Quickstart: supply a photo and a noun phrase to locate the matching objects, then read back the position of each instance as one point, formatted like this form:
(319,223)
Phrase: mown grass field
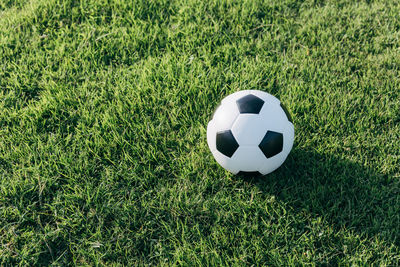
(103,113)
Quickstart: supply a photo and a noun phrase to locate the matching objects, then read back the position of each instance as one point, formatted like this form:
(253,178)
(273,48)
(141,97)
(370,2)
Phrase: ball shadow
(345,193)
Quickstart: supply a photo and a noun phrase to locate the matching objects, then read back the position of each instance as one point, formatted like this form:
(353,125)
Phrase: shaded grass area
(103,113)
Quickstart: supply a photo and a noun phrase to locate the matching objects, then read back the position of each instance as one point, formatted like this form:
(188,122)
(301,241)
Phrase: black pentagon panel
(286,112)
(249,174)
(271,144)
(250,104)
(226,143)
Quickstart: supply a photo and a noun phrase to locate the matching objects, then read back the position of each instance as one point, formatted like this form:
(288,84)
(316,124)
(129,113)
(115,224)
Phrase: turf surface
(103,114)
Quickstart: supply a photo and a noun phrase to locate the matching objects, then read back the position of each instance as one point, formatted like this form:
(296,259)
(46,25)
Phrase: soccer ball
(251,131)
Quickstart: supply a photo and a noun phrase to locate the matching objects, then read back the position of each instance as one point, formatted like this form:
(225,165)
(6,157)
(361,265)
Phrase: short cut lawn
(103,112)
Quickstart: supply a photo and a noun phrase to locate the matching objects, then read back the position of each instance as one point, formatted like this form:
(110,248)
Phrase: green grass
(103,114)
